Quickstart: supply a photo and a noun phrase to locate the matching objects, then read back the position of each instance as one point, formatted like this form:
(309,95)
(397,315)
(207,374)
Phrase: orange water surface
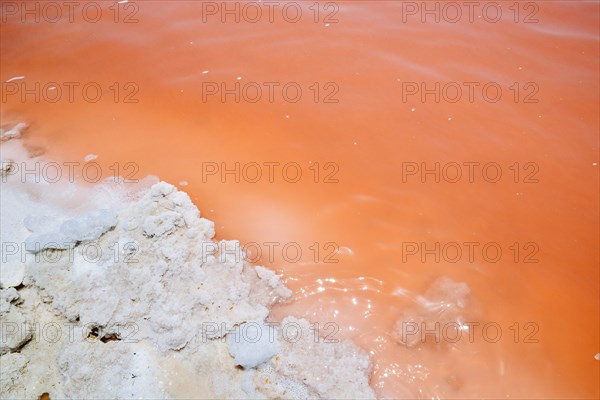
(362,127)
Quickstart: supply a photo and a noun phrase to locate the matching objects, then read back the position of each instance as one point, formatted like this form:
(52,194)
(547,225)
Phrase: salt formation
(109,297)
(439,310)
(88,226)
(250,349)
(13,133)
(304,368)
(12,319)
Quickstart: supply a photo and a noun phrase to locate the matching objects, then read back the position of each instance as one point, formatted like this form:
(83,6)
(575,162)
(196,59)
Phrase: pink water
(364,202)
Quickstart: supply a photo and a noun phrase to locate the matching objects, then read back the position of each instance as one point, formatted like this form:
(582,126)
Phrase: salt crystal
(87,226)
(252,343)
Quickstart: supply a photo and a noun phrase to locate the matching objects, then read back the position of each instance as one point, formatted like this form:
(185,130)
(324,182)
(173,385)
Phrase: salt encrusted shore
(113,293)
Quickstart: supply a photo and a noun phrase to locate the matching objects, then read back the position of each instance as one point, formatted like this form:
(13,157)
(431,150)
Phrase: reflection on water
(367,140)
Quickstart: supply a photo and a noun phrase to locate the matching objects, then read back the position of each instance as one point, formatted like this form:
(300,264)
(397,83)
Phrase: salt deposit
(12,320)
(14,132)
(443,304)
(116,292)
(49,234)
(252,343)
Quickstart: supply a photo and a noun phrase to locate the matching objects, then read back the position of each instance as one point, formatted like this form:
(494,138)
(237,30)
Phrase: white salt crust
(119,293)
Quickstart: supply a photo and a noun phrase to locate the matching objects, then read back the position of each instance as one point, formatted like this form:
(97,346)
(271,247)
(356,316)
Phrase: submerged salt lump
(308,366)
(252,343)
(14,132)
(443,304)
(87,226)
(445,293)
